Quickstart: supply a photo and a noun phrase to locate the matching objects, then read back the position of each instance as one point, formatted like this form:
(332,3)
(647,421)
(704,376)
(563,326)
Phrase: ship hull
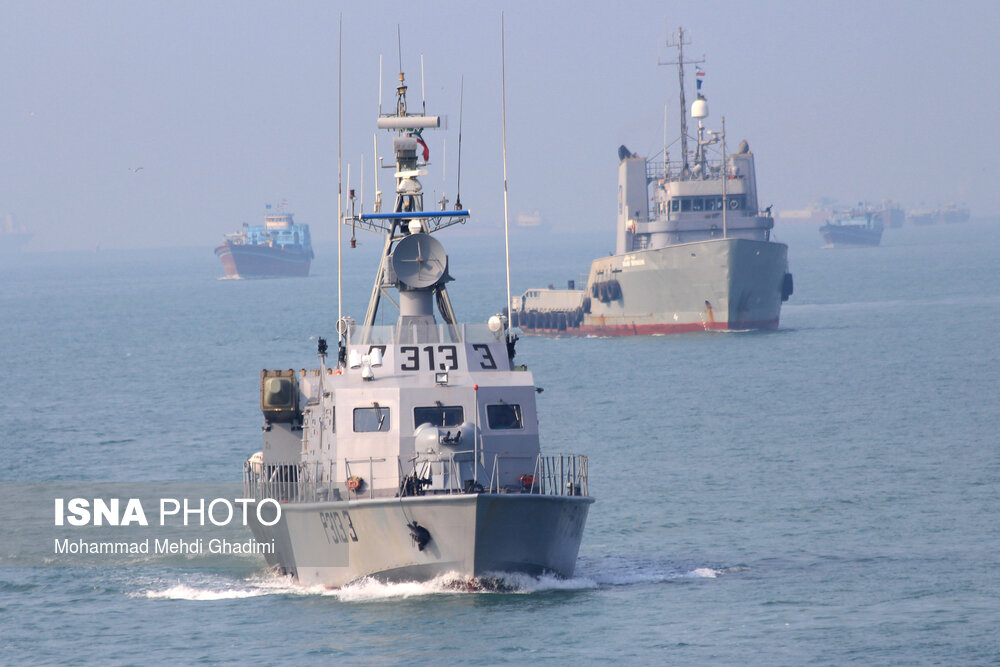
(470,535)
(713,285)
(851,235)
(261,261)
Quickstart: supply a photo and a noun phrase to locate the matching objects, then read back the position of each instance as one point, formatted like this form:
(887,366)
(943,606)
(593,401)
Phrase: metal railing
(440,474)
(673,171)
(292,482)
(388,334)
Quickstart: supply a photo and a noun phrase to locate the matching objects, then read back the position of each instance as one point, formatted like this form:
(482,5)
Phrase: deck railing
(442,474)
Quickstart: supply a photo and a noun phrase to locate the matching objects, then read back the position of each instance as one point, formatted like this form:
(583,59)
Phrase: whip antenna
(340,184)
(458,190)
(503,114)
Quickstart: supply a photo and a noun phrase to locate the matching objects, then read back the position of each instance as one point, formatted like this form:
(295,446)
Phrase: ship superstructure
(693,248)
(416,453)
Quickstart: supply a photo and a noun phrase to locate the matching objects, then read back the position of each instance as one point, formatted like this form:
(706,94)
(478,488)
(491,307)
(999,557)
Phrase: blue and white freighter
(415,453)
(279,247)
(694,250)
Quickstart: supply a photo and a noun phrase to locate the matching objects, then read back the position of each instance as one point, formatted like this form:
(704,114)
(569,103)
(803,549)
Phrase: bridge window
(504,416)
(369,420)
(439,415)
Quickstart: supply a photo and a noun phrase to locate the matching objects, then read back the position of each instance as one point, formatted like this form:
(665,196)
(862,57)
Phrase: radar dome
(699,108)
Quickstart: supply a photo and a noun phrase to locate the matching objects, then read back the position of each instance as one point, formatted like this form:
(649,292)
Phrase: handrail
(442,473)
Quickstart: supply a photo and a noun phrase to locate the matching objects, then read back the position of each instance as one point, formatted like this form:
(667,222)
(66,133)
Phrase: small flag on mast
(420,140)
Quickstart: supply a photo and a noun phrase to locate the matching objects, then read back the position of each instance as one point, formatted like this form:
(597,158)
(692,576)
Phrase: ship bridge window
(504,416)
(439,415)
(685,204)
(369,420)
(697,204)
(675,204)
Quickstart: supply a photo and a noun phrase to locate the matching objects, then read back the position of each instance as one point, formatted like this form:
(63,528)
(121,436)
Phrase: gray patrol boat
(416,453)
(700,258)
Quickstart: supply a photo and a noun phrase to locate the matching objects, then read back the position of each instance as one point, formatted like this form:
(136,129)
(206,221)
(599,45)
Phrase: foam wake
(367,589)
(607,572)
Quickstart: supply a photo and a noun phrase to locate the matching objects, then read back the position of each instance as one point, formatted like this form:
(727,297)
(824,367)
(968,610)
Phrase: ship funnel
(699,108)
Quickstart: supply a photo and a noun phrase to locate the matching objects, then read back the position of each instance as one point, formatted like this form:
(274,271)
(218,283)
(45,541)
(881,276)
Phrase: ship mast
(680,62)
(408,218)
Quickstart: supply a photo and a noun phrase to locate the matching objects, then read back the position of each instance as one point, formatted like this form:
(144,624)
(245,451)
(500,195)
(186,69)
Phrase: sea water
(823,494)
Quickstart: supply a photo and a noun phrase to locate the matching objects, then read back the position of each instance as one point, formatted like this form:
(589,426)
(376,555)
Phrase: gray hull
(851,235)
(718,284)
(472,535)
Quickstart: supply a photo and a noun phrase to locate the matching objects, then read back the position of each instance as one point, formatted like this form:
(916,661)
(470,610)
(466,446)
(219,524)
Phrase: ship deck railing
(384,223)
(543,474)
(389,334)
(674,171)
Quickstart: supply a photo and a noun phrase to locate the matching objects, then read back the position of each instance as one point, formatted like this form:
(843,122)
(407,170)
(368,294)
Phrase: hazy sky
(228,106)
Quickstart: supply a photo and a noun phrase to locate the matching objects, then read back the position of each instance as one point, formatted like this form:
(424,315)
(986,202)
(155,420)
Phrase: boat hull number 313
(443,357)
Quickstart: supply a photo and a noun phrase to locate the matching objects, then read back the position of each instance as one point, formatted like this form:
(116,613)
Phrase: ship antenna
(665,165)
(379,90)
(377,206)
(503,115)
(725,180)
(444,172)
(340,188)
(399,47)
(423,97)
(461,100)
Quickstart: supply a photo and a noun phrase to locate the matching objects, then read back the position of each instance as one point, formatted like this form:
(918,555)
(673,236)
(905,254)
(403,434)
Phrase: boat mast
(725,181)
(680,62)
(408,216)
(506,224)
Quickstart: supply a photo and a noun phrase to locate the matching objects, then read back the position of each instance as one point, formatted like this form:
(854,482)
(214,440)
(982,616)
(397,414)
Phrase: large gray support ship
(416,454)
(699,258)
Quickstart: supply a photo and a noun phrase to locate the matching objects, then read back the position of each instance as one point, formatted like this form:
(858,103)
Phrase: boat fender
(787,287)
(586,305)
(355,483)
(595,291)
(420,535)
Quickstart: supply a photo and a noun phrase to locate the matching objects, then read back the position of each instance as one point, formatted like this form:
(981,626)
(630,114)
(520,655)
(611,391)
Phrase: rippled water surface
(823,494)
